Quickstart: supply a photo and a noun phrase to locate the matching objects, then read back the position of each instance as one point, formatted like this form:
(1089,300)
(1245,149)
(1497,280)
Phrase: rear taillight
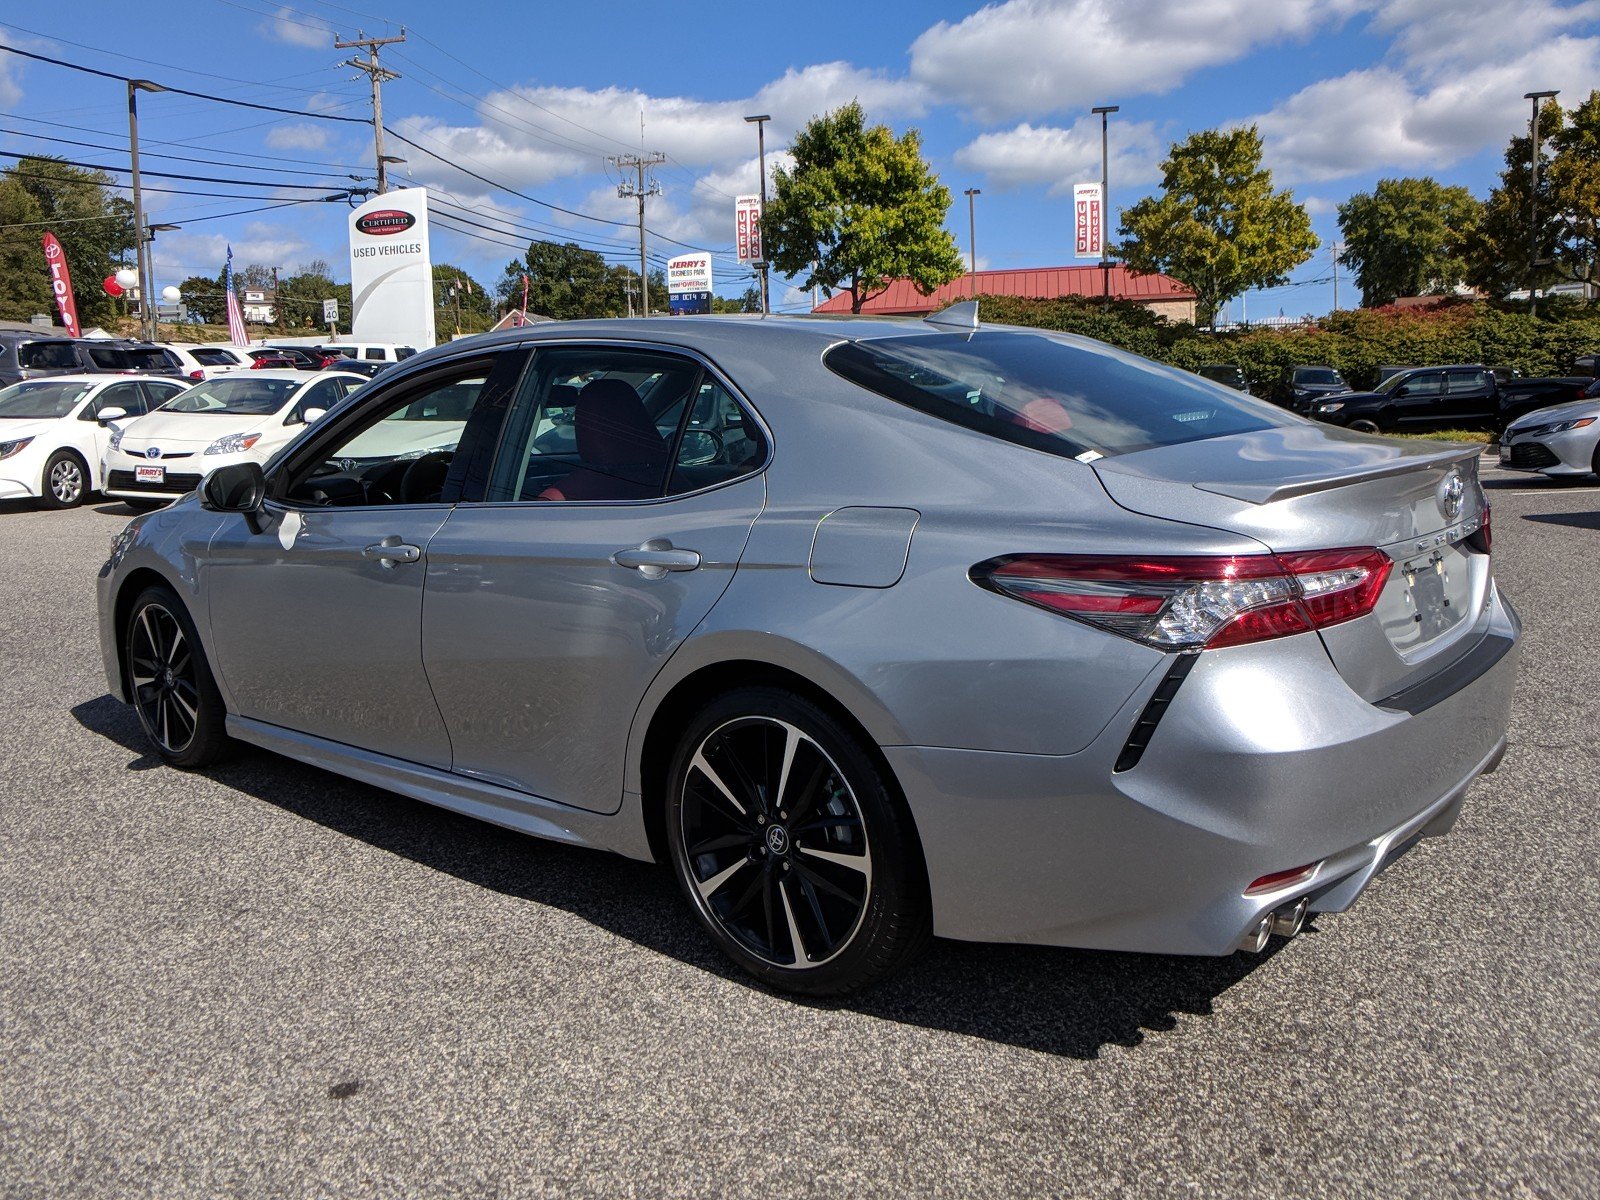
(197,375)
(1196,601)
(1482,539)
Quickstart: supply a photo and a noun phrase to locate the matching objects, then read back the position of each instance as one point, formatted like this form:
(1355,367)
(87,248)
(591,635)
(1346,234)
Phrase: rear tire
(170,682)
(1364,426)
(65,482)
(791,846)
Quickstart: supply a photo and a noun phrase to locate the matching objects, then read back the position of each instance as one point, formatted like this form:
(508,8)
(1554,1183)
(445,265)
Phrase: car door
(1470,398)
(608,531)
(130,398)
(1419,401)
(316,603)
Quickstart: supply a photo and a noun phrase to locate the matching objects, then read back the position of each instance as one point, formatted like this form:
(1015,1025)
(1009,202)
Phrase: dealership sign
(391,273)
(747,228)
(1088,220)
(689,283)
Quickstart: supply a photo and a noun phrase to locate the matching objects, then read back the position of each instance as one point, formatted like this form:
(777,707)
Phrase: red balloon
(112,287)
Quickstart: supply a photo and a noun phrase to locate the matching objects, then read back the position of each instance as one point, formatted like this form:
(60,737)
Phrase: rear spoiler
(1267,492)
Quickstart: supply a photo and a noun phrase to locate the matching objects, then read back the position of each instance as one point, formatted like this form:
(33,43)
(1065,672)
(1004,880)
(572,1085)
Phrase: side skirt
(622,832)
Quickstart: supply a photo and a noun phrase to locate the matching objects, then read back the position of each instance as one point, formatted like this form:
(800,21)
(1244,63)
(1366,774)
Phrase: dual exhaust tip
(1284,922)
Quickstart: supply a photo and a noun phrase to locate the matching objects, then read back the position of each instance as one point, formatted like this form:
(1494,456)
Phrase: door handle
(390,551)
(656,557)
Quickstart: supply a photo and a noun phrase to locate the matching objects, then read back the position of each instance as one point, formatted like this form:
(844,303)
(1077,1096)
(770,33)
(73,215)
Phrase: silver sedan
(1563,439)
(872,631)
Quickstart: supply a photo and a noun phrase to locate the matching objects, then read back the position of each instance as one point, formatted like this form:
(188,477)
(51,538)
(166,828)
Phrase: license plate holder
(150,474)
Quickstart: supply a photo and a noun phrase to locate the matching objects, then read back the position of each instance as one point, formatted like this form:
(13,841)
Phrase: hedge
(1357,342)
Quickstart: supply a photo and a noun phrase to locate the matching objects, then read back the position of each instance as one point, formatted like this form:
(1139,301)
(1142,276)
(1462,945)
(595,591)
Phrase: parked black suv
(30,355)
(1305,385)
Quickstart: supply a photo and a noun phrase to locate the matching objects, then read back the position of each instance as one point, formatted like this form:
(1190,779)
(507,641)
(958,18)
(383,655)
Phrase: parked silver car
(1563,439)
(871,630)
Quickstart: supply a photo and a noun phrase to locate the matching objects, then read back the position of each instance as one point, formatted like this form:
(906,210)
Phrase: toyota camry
(873,631)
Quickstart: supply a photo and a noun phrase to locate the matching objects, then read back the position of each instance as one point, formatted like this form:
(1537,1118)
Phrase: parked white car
(370,351)
(54,431)
(210,359)
(237,417)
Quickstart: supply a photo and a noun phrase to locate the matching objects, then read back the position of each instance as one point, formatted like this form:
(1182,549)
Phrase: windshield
(1072,397)
(235,397)
(41,398)
(1394,381)
(1317,375)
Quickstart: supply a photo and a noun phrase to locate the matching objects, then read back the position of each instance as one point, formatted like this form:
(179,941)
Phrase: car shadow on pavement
(1065,1002)
(1577,520)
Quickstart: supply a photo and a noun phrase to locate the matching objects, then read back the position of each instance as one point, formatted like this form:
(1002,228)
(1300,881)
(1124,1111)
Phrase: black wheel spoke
(162,668)
(774,842)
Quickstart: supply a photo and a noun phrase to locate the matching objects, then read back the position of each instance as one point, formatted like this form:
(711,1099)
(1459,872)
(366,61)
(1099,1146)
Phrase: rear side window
(47,356)
(213,358)
(1066,396)
(108,358)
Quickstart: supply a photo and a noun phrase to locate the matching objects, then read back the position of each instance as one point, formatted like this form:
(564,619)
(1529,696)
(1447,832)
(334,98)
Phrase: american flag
(237,333)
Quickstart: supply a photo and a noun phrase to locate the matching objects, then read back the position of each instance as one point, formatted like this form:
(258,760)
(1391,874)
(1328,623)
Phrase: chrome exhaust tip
(1291,918)
(1255,940)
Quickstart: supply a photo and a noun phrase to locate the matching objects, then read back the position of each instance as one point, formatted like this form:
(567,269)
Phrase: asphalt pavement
(264,980)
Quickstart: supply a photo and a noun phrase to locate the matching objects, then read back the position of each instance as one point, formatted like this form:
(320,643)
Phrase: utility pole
(142,257)
(1337,250)
(972,238)
(760,122)
(1533,197)
(1105,112)
(639,191)
(379,75)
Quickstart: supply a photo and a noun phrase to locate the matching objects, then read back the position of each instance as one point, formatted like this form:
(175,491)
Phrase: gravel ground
(265,980)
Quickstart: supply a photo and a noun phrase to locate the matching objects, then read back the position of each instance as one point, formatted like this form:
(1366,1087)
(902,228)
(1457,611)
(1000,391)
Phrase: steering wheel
(424,479)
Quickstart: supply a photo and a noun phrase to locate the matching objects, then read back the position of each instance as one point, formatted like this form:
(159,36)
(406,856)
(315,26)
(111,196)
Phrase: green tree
(300,296)
(1406,238)
(1575,193)
(747,301)
(460,303)
(1506,253)
(859,209)
(93,224)
(565,281)
(203,298)
(1217,226)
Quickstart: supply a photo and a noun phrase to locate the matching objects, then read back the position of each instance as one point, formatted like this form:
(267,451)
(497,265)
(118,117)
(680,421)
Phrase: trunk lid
(1318,487)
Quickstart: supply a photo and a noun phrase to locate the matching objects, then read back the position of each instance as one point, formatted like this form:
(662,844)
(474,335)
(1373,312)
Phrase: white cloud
(298,29)
(10,89)
(1056,157)
(1430,35)
(1383,118)
(1025,58)
(302,136)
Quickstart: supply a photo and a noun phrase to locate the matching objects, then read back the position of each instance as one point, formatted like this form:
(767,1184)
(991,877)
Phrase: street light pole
(1105,112)
(146,313)
(760,122)
(1533,196)
(147,283)
(972,238)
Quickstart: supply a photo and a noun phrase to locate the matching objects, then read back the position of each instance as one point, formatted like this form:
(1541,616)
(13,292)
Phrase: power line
(41,137)
(299,187)
(272,108)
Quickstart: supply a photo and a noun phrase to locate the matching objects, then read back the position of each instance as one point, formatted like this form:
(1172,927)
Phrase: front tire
(792,848)
(1365,426)
(170,682)
(65,482)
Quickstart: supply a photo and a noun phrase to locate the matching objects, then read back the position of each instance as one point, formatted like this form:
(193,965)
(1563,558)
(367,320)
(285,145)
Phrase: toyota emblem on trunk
(1451,492)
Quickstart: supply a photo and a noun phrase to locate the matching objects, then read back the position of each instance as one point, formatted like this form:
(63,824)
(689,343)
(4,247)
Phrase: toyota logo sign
(385,221)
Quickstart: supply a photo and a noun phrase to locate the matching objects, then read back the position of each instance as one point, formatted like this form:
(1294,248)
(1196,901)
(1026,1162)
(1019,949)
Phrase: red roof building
(1162,293)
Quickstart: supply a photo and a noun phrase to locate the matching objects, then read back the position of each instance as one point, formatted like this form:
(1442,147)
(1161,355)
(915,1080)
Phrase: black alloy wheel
(794,854)
(1362,425)
(170,683)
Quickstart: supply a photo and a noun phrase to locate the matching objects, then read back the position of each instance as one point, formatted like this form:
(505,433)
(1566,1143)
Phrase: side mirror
(108,415)
(313,415)
(238,487)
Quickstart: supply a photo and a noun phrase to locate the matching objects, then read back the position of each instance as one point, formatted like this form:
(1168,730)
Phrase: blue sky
(534,97)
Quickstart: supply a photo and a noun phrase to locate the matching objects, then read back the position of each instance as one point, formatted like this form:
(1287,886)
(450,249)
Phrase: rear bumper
(1264,761)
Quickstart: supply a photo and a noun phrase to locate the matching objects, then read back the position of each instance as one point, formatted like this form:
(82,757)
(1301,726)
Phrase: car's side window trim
(337,427)
(708,371)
